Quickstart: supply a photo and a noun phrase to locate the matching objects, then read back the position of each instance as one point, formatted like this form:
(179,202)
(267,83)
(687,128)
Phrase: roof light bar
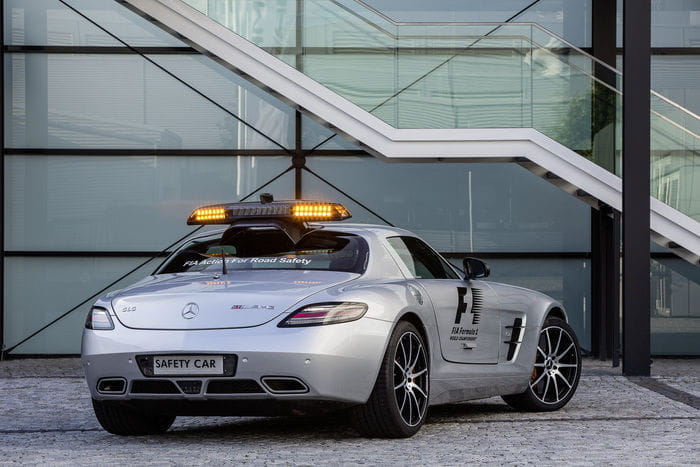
(301,211)
(211,213)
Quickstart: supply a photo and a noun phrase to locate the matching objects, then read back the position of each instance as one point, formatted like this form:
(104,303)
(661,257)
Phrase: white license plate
(188,365)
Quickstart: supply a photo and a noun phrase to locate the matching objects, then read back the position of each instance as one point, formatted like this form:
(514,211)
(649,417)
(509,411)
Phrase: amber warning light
(204,215)
(301,210)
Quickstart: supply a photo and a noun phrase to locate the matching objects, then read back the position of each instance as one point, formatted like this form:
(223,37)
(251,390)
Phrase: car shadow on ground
(466,411)
(332,426)
(335,425)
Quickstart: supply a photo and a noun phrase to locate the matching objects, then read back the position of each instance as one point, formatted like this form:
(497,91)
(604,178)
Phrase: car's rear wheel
(399,401)
(120,420)
(556,372)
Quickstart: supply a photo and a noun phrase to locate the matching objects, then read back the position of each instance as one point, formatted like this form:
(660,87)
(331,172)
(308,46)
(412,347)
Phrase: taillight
(320,314)
(99,319)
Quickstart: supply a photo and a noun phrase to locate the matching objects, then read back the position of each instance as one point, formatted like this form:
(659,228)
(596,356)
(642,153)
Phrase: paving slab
(611,419)
(41,367)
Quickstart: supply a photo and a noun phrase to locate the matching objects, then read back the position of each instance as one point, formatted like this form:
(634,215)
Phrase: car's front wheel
(556,372)
(399,401)
(120,420)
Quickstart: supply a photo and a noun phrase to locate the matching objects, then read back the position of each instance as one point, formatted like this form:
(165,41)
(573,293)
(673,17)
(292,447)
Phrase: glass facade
(149,108)
(40,289)
(569,20)
(450,75)
(49,22)
(676,77)
(119,203)
(675,40)
(107,150)
(459,207)
(675,314)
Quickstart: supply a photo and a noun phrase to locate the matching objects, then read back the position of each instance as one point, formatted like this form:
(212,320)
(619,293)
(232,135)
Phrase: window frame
(360,267)
(444,264)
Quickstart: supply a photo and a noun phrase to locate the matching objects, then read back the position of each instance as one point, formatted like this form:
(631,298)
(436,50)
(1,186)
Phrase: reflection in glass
(675,315)
(123,101)
(67,281)
(135,203)
(457,207)
(50,22)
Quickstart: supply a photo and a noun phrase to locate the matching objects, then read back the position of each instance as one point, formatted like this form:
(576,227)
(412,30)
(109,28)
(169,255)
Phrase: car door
(468,319)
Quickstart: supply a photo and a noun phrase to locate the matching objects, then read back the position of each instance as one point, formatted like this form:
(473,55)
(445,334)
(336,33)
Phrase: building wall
(107,151)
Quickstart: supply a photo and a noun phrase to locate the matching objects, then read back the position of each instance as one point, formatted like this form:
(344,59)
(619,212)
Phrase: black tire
(384,415)
(120,420)
(557,365)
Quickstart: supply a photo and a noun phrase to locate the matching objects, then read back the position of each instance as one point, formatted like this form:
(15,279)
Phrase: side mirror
(475,269)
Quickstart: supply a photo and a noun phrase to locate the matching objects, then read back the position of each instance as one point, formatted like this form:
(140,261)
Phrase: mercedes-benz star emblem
(190,311)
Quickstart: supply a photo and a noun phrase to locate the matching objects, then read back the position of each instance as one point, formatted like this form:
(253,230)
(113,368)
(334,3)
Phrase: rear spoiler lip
(294,229)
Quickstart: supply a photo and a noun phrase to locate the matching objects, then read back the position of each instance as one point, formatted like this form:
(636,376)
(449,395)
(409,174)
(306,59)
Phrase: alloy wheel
(411,378)
(556,366)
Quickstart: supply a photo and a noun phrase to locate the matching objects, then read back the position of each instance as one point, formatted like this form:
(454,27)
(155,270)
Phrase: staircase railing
(470,75)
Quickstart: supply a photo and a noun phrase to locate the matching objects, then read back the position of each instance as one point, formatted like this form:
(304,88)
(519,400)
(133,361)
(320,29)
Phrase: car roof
(382,230)
(358,229)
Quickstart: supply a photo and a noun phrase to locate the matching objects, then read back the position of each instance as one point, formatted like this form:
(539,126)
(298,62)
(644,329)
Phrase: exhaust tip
(284,385)
(111,386)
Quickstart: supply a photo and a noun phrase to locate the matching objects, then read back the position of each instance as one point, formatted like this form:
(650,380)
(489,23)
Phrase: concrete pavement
(46,417)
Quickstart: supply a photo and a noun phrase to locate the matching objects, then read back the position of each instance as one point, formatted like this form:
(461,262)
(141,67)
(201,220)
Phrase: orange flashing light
(300,211)
(316,211)
(210,214)
(319,211)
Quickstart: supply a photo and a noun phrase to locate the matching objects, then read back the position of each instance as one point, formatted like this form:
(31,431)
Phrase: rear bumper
(336,363)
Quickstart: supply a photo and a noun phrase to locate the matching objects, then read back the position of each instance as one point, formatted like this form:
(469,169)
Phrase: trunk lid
(190,301)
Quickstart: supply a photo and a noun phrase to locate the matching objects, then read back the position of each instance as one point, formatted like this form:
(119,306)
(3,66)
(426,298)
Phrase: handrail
(496,25)
(541,47)
(677,125)
(473,23)
(675,104)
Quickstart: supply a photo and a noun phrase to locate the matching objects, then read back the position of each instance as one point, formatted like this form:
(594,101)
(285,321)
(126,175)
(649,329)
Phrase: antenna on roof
(223,262)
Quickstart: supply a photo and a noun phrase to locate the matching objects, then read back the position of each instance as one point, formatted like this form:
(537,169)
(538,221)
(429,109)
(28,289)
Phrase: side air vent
(516,331)
(153,386)
(284,385)
(477,305)
(234,386)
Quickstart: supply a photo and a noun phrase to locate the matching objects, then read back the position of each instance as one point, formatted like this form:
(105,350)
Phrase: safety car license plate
(180,365)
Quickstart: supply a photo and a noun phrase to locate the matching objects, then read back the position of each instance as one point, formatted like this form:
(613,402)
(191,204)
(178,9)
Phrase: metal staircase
(427,111)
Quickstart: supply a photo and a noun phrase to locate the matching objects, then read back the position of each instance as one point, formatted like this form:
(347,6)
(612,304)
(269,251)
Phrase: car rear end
(249,320)
(265,363)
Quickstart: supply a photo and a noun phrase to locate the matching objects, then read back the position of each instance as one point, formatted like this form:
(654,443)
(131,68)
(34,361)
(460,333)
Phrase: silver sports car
(286,310)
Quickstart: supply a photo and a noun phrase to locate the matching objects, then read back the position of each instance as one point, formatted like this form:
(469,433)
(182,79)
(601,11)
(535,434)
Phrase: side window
(420,259)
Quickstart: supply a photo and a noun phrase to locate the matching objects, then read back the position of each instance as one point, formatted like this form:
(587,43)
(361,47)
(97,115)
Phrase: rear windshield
(271,249)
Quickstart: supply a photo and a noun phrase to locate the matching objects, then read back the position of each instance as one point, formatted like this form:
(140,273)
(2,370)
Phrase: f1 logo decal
(461,303)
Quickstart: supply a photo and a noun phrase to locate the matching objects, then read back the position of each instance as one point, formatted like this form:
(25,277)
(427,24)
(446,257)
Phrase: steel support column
(604,34)
(605,284)
(605,239)
(298,160)
(2,180)
(635,188)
